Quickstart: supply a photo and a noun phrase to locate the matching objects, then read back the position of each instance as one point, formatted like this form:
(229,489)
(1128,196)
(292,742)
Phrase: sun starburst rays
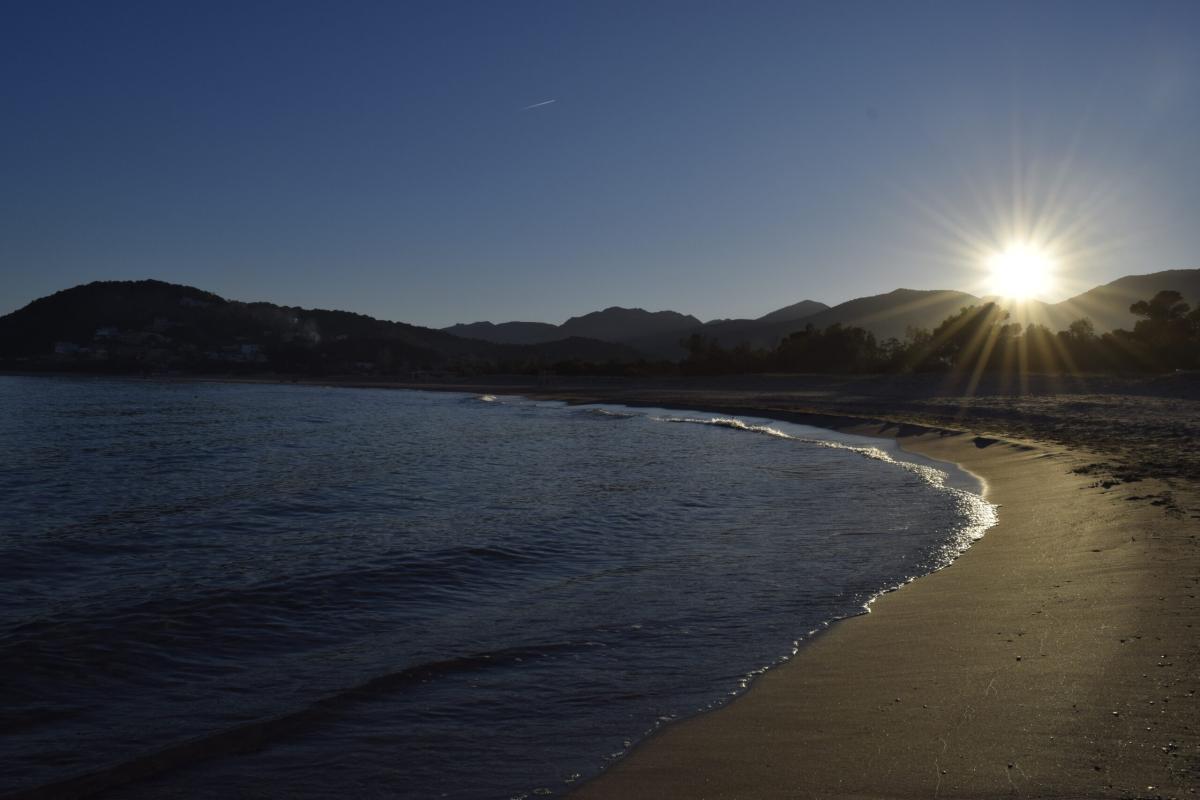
(1048,223)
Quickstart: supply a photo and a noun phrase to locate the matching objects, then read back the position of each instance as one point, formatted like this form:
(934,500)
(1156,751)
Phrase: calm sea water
(222,591)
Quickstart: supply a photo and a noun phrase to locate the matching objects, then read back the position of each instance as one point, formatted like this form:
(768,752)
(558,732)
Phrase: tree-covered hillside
(152,325)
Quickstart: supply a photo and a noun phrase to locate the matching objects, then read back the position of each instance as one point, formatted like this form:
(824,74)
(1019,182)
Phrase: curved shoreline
(1097,594)
(1056,658)
(1021,668)
(1053,658)
(257,733)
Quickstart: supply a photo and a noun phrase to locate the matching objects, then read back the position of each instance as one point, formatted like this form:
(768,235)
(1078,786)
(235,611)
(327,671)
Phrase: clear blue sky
(720,159)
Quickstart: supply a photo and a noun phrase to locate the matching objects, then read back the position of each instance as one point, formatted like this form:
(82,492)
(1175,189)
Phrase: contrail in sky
(543,103)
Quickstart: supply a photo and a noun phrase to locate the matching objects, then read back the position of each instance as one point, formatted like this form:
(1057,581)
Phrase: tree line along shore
(153,327)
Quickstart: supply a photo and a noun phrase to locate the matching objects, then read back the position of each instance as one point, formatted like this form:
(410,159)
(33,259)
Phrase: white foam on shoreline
(977,513)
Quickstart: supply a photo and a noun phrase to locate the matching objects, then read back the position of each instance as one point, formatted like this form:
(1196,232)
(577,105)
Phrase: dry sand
(1056,658)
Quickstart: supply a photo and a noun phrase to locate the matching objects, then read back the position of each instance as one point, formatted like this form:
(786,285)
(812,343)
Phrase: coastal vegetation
(977,338)
(155,327)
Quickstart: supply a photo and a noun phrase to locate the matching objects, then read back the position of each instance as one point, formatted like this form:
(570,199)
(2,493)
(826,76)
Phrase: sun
(1021,271)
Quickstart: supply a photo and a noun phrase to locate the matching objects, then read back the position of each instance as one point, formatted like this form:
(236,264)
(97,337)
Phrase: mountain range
(156,325)
(162,325)
(889,315)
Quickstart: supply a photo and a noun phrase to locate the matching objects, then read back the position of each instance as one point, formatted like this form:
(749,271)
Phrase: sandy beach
(1057,658)
(619,287)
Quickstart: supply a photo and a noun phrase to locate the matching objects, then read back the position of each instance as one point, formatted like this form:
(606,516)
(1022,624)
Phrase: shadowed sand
(1052,659)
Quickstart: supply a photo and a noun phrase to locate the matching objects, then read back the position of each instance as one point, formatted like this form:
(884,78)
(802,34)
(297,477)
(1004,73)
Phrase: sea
(217,590)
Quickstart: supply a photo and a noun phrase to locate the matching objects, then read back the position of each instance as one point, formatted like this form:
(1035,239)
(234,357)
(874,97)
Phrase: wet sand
(1056,658)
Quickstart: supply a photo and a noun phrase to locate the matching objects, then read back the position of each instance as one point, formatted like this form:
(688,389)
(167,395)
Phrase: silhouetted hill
(805,308)
(654,333)
(507,332)
(890,315)
(152,325)
(727,332)
(616,324)
(1108,305)
(885,315)
(764,331)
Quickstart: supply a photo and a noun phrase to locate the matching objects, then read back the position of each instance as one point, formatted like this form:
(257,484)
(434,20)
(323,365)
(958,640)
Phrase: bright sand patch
(1056,658)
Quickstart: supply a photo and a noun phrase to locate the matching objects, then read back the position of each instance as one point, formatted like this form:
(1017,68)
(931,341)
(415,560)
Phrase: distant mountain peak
(805,308)
(192,324)
(507,332)
(620,324)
